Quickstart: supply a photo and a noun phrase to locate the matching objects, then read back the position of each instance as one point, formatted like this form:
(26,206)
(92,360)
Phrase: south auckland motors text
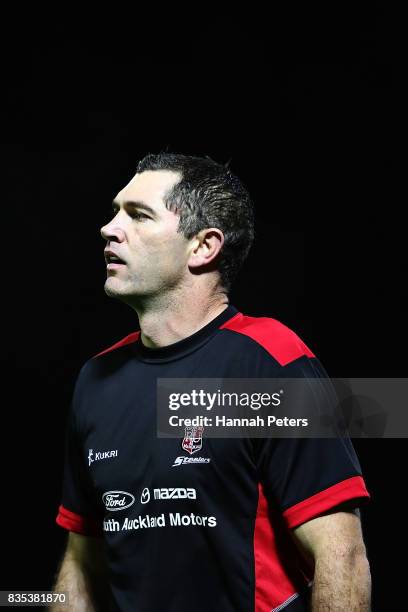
(172,519)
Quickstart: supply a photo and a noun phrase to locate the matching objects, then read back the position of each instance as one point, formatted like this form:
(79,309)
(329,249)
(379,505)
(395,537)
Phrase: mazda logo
(145,497)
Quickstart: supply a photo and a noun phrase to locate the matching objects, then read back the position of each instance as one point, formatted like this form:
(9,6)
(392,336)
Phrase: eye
(138,215)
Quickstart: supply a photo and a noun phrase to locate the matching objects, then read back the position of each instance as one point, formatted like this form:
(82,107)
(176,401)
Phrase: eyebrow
(135,204)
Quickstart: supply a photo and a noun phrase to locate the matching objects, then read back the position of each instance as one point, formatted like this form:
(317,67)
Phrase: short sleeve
(78,510)
(305,477)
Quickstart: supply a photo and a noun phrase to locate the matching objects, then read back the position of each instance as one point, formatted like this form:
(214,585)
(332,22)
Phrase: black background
(305,105)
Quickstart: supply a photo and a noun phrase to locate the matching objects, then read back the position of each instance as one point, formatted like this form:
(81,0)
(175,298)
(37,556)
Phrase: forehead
(150,186)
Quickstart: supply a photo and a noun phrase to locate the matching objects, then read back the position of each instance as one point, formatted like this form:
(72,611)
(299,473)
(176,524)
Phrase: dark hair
(209,195)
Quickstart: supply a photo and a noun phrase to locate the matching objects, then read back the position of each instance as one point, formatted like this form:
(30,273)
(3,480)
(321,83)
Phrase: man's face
(154,256)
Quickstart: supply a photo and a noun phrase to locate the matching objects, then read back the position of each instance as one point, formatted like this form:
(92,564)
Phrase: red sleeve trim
(77,523)
(324,500)
(127,340)
(279,340)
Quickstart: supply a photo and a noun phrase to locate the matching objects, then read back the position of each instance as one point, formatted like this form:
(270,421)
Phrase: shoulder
(129,339)
(98,368)
(275,337)
(105,361)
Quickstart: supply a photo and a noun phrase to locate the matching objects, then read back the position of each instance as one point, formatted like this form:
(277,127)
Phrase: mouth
(113,261)
(114,266)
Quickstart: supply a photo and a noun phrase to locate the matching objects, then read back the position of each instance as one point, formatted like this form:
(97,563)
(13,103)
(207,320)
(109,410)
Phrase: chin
(119,291)
(111,290)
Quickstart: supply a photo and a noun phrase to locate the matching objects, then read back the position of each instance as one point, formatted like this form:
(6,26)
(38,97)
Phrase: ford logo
(117,500)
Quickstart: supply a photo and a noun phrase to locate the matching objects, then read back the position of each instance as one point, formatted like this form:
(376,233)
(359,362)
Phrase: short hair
(209,195)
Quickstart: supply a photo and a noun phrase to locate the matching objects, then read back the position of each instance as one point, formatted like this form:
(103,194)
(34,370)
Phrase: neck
(166,321)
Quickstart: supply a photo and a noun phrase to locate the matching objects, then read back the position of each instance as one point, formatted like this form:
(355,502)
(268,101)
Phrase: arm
(83,575)
(342,579)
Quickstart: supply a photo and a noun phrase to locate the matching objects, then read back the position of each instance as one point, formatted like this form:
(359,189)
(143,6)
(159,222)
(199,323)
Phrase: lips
(111,257)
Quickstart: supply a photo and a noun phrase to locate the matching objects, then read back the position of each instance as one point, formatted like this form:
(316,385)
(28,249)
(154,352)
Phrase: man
(227,525)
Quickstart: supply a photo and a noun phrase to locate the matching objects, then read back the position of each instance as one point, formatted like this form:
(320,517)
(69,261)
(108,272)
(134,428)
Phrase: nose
(112,231)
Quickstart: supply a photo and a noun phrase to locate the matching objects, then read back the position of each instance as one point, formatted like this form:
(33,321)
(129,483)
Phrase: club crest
(193,439)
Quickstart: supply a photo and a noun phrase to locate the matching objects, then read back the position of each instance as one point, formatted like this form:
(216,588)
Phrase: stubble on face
(154,252)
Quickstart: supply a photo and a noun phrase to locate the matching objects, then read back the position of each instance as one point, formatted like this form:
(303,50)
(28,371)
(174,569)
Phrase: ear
(205,247)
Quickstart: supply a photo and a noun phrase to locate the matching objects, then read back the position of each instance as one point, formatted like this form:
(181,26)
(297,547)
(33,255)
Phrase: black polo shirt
(204,526)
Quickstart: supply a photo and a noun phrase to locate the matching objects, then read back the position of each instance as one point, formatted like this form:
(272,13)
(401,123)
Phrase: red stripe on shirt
(311,507)
(280,572)
(281,342)
(127,340)
(77,523)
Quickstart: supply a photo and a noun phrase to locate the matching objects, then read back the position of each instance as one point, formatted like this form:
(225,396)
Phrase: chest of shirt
(129,465)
